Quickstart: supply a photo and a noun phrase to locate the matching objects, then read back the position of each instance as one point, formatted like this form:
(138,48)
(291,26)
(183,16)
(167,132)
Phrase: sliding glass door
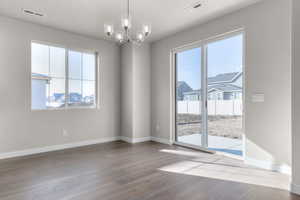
(209,95)
(225,94)
(189,117)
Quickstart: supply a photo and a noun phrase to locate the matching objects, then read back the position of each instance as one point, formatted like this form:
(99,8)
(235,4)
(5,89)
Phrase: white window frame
(67,49)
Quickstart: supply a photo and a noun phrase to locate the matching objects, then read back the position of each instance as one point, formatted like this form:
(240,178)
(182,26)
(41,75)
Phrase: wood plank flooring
(146,171)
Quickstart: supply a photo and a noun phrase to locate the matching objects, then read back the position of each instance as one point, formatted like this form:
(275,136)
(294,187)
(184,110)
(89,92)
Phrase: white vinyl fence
(215,107)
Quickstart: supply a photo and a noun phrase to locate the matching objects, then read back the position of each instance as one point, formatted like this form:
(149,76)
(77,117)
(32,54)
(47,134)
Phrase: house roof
(224,78)
(182,83)
(224,88)
(221,82)
(220,87)
(40,76)
(183,86)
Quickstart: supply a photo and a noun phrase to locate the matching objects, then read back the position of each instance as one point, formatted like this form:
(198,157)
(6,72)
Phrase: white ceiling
(87,17)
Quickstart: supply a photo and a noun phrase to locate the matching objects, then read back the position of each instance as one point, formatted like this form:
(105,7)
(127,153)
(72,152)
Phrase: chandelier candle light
(125,36)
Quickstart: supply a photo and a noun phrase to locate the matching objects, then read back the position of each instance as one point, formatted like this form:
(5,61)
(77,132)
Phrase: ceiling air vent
(33,13)
(194,6)
(197,5)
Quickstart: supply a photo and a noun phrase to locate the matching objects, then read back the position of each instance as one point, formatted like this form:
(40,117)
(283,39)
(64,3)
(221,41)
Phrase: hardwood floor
(146,171)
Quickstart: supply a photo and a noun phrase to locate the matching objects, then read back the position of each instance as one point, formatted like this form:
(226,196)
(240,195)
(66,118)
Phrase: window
(62,78)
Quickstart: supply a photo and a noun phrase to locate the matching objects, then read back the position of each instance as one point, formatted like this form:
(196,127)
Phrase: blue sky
(224,56)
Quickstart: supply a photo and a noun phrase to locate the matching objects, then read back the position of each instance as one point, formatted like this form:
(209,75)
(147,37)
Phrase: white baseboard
(126,139)
(33,151)
(56,147)
(294,188)
(145,139)
(162,140)
(135,140)
(268,165)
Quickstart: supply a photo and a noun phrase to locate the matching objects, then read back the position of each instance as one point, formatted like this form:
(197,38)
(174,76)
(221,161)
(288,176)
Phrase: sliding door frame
(174,99)
(173,60)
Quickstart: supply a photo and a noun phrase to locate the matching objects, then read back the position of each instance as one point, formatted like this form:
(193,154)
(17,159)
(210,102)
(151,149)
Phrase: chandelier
(126,35)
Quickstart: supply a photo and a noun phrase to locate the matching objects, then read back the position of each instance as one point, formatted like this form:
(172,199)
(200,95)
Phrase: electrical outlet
(65,133)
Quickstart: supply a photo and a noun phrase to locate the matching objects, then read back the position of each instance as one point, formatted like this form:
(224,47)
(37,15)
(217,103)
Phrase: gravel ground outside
(224,126)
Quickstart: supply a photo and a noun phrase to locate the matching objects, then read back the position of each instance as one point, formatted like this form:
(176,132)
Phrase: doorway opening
(209,94)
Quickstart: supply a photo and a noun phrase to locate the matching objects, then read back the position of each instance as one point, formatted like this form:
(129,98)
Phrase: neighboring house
(75,97)
(59,97)
(182,87)
(89,99)
(194,95)
(39,89)
(226,86)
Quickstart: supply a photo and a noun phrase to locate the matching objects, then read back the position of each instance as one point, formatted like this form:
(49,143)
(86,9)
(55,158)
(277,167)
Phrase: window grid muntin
(66,86)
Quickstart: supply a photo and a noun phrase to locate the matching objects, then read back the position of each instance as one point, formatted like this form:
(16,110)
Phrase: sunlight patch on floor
(224,168)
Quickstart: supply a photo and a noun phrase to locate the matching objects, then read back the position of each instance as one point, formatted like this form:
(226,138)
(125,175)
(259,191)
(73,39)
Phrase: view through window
(209,113)
(62,78)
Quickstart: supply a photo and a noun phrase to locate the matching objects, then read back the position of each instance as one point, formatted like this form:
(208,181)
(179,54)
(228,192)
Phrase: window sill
(96,107)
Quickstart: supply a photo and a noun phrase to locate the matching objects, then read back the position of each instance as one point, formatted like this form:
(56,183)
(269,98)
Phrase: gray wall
(127,91)
(21,128)
(136,85)
(296,97)
(268,71)
(142,90)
